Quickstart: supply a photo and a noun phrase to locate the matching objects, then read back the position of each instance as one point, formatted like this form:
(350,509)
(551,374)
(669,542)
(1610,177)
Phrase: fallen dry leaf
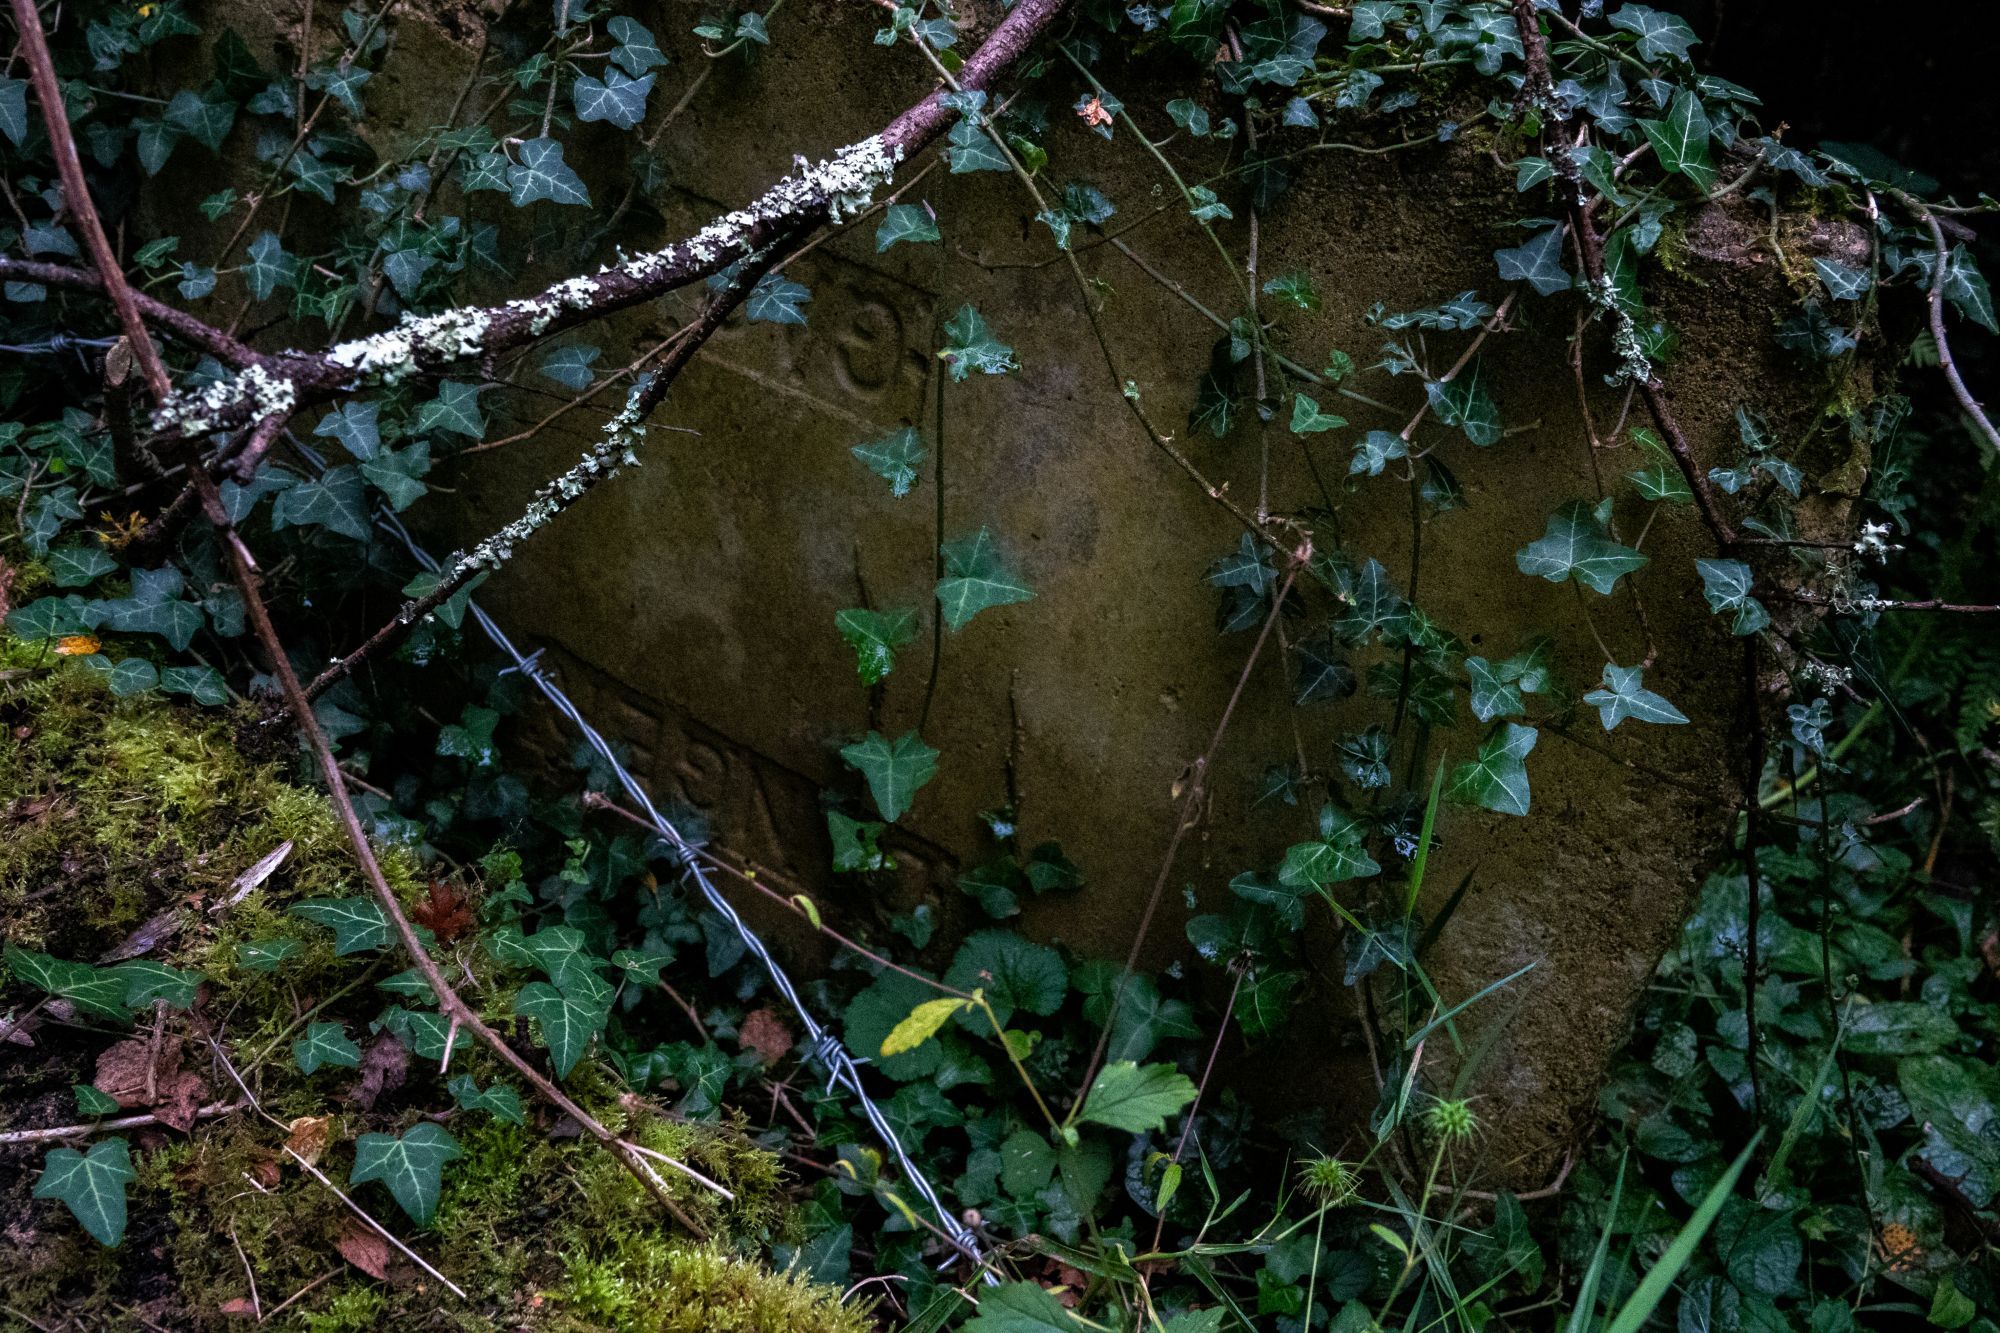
(178,1098)
(384,1065)
(238,1307)
(132,1073)
(77,645)
(445,912)
(764,1033)
(364,1249)
(309,1136)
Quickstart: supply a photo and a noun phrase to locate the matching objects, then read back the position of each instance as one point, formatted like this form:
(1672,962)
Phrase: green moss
(698,1289)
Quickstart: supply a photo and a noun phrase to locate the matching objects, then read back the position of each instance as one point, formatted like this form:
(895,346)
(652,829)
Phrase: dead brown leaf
(132,1072)
(384,1066)
(364,1249)
(445,911)
(766,1034)
(309,1136)
(239,1307)
(178,1098)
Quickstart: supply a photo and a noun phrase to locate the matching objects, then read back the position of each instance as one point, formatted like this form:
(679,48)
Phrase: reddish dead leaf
(239,1307)
(764,1033)
(364,1249)
(445,911)
(132,1073)
(1093,113)
(178,1098)
(384,1065)
(265,1172)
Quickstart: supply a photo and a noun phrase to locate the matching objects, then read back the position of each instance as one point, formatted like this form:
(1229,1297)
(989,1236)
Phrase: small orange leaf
(1093,113)
(77,645)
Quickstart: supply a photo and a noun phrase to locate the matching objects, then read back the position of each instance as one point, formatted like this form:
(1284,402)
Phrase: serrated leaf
(1137,1098)
(896,458)
(894,770)
(970,346)
(567,1023)
(499,1100)
(976,577)
(1014,973)
(905,222)
(1537,262)
(410,1165)
(1726,585)
(325,1044)
(358,924)
(1498,778)
(542,174)
(1576,544)
(1623,695)
(91,1185)
(875,636)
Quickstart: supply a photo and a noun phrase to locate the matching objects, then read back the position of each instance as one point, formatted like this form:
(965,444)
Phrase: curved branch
(196,333)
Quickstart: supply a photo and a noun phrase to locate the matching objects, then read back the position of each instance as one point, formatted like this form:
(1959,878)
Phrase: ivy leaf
(563,954)
(1726,584)
(325,1044)
(92,1186)
(637,51)
(972,149)
(1323,673)
(455,411)
(777,300)
(91,1102)
(1294,288)
(1207,206)
(1373,451)
(203,684)
(266,955)
(976,577)
(1308,419)
(856,844)
(1465,403)
(570,365)
(146,981)
(875,636)
(895,458)
(1537,262)
(617,98)
(90,989)
(357,923)
(1577,544)
(1492,694)
(567,1023)
(1373,606)
(1624,696)
(356,425)
(894,770)
(499,1101)
(1660,479)
(75,566)
(1681,140)
(970,345)
(1843,283)
(641,967)
(412,1166)
(1965,287)
(1015,973)
(1245,568)
(1661,36)
(905,222)
(267,267)
(14,109)
(1498,779)
(395,473)
(337,501)
(1137,1098)
(542,174)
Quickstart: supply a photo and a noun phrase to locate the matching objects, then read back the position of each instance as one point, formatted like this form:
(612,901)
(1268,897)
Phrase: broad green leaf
(1295,288)
(92,1185)
(455,410)
(1020,1307)
(1373,606)
(1660,479)
(357,923)
(570,365)
(91,1102)
(267,266)
(1015,974)
(894,769)
(875,636)
(1498,779)
(972,149)
(1308,419)
(1623,696)
(1137,1098)
(1965,287)
(777,300)
(1319,864)
(337,501)
(922,1024)
(1493,695)
(1373,451)
(1323,673)
(542,174)
(896,458)
(1465,403)
(356,425)
(1245,567)
(424,1031)
(641,966)
(75,566)
(617,99)
(147,981)
(1537,262)
(1577,544)
(563,954)
(1726,585)
(1843,283)
(1661,36)
(976,577)
(1681,140)
(637,51)
(93,990)
(857,844)
(905,222)
(410,1165)
(266,955)
(499,1101)
(567,1024)
(325,1044)
(14,121)
(970,346)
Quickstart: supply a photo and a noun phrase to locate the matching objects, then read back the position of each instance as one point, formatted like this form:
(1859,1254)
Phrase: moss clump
(698,1289)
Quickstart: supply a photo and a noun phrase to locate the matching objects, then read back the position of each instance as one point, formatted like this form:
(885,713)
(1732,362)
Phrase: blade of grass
(1423,845)
(1653,1287)
(1462,1006)
(1586,1293)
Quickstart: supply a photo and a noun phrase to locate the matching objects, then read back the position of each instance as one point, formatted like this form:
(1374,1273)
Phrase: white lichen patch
(197,411)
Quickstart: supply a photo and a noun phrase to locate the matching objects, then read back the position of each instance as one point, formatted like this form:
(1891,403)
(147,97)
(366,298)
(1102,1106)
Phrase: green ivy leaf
(1965,287)
(358,924)
(641,967)
(93,990)
(1498,779)
(567,1023)
(1308,419)
(970,346)
(76,566)
(637,51)
(147,981)
(455,411)
(1681,140)
(411,1166)
(1577,544)
(1660,479)
(972,149)
(563,954)
(976,577)
(337,501)
(570,365)
(1842,282)
(1295,289)
(1661,36)
(777,300)
(1726,585)
(1537,262)
(1373,606)
(1465,403)
(325,1044)
(92,1185)
(856,845)
(1322,674)
(542,174)
(617,99)
(896,458)
(1373,451)
(91,1102)
(266,955)
(14,109)
(357,426)
(267,267)
(875,636)
(499,1101)
(905,222)
(1624,696)
(1137,1098)
(894,769)
(1492,694)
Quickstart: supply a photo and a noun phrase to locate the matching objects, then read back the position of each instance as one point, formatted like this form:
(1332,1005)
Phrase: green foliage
(1136,1098)
(409,1165)
(91,1185)
(894,770)
(976,577)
